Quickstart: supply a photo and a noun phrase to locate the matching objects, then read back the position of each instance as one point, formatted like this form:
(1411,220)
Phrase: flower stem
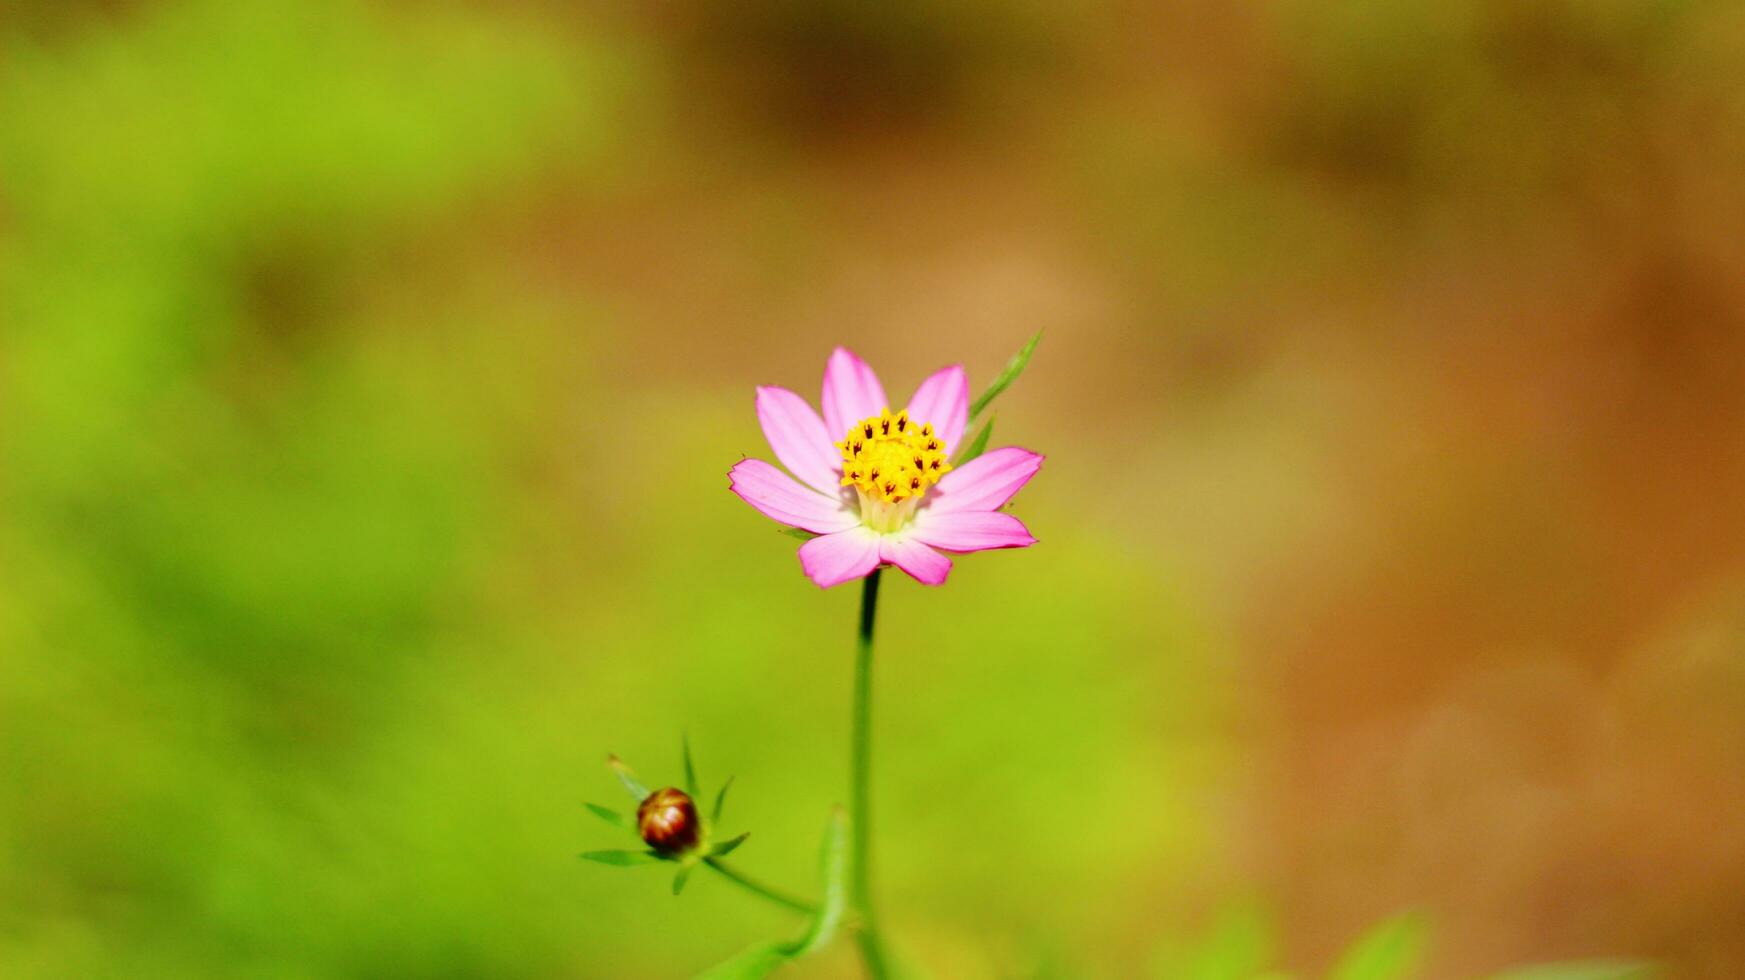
(872,951)
(758,888)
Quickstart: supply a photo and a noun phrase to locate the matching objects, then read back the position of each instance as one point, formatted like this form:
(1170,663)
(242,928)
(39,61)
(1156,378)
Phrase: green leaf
(795,532)
(1014,367)
(622,859)
(637,791)
(720,799)
(690,770)
(1583,970)
(833,875)
(728,847)
(612,817)
(683,876)
(763,959)
(1389,951)
(977,445)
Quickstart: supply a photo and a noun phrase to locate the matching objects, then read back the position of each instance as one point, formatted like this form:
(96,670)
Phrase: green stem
(872,951)
(758,888)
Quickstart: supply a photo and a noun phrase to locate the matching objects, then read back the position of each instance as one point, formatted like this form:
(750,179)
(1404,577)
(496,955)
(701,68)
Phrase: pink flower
(878,488)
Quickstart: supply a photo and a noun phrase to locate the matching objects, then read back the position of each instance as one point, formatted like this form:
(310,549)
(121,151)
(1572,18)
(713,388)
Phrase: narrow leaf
(977,445)
(833,872)
(1583,970)
(763,959)
(637,791)
(1389,951)
(795,532)
(690,770)
(728,847)
(1014,367)
(720,799)
(611,816)
(683,876)
(622,859)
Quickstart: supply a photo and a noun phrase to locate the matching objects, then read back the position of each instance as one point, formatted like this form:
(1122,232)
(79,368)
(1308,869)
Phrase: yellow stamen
(891,461)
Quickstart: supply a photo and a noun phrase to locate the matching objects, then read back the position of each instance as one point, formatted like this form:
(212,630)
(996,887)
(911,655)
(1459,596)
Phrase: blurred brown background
(1415,332)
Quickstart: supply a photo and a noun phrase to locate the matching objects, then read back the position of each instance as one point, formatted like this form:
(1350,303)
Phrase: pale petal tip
(840,353)
(823,581)
(928,579)
(762,392)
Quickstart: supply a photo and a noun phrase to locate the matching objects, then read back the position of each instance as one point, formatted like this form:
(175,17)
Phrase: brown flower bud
(668,821)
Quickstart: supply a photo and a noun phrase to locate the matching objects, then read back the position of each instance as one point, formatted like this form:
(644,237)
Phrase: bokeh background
(371,371)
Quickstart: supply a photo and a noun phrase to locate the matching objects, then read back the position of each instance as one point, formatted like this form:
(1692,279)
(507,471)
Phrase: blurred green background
(370,373)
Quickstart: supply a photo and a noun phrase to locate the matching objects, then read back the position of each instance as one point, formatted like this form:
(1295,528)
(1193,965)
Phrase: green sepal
(727,847)
(622,859)
(977,445)
(690,769)
(796,532)
(612,817)
(720,801)
(637,791)
(1014,367)
(683,876)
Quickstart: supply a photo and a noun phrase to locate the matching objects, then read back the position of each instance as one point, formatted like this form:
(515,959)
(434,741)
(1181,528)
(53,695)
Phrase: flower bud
(668,821)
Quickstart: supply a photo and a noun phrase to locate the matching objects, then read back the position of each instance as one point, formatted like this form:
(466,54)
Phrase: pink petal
(797,435)
(836,558)
(778,497)
(984,483)
(923,564)
(970,530)
(943,399)
(851,392)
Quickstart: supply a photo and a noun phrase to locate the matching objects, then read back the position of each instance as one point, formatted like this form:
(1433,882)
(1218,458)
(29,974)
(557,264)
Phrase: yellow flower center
(891,461)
